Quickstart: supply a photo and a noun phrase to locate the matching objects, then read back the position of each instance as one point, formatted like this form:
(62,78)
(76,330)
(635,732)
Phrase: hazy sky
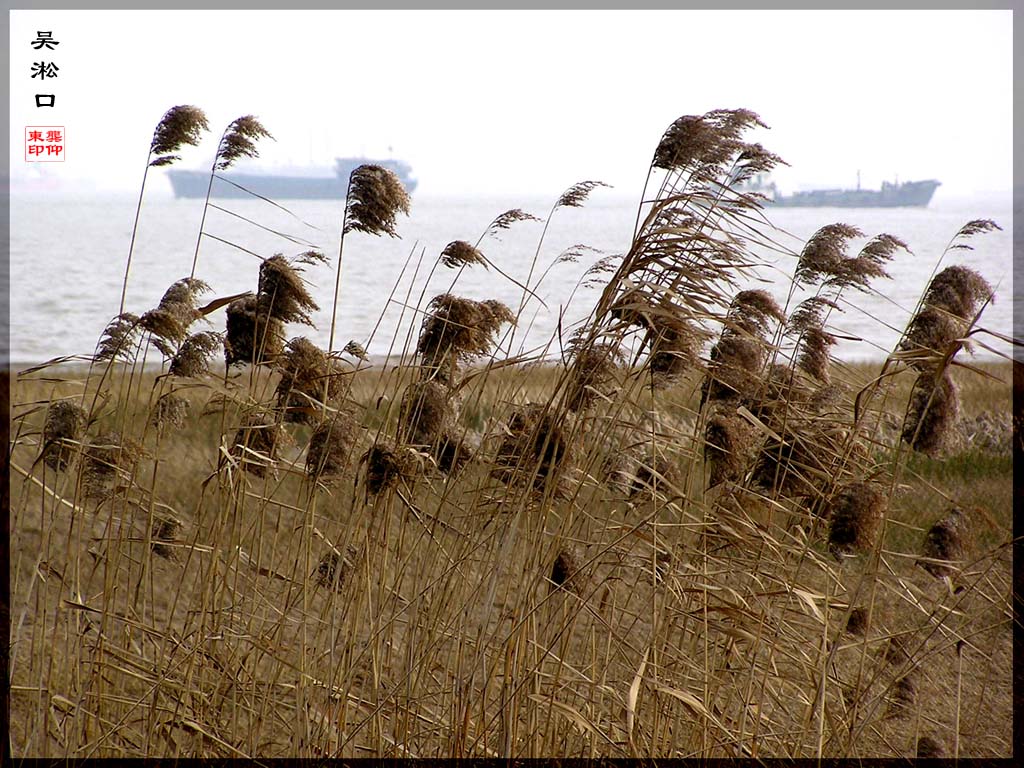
(532,101)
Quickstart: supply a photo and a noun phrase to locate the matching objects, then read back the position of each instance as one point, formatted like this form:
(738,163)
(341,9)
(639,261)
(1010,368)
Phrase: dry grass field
(697,535)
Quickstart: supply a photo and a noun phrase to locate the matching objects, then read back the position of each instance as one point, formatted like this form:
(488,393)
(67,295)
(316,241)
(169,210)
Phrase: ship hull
(911,194)
(192,184)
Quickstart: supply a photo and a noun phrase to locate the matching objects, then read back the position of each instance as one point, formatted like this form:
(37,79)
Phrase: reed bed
(695,535)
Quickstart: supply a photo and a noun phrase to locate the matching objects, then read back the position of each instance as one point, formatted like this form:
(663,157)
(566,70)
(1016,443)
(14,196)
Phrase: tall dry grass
(695,535)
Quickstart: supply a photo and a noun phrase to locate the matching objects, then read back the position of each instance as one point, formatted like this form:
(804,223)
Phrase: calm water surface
(68,256)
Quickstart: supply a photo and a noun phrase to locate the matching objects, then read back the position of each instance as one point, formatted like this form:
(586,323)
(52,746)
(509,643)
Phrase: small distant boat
(292,183)
(892,195)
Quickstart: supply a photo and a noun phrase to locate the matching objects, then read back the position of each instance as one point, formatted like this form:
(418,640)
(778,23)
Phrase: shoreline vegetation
(697,534)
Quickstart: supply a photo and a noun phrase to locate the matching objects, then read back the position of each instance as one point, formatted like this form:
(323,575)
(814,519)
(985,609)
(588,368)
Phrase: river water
(68,257)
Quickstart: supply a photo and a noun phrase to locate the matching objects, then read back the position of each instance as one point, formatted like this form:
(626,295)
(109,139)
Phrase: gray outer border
(1018,263)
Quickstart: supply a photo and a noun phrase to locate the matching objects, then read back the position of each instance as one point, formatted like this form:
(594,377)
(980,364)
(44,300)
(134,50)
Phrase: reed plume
(171,411)
(310,379)
(64,426)
(709,141)
(330,448)
(118,338)
(947,541)
(577,194)
(165,531)
(239,140)
(457,329)
(193,357)
(252,336)
(949,306)
(730,443)
(536,446)
(565,572)
(459,253)
(930,748)
(168,323)
(823,254)
(356,350)
(386,465)
(178,127)
(813,341)
(106,459)
(736,362)
(654,472)
(856,519)
(932,414)
(332,572)
(427,413)
(858,623)
(374,198)
(591,375)
(282,293)
(903,696)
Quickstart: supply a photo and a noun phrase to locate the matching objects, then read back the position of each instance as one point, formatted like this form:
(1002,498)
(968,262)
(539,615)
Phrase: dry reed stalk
(949,540)
(257,441)
(106,459)
(169,321)
(252,336)
(856,519)
(64,426)
(308,376)
(932,414)
(193,357)
(330,448)
(730,444)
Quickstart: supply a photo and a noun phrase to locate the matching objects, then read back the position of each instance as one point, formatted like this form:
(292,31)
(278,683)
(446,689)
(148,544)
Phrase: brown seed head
(193,357)
(118,338)
(565,571)
(308,374)
(163,533)
(252,336)
(330,448)
(375,198)
(179,126)
(65,421)
(592,375)
(282,292)
(107,459)
(459,253)
(427,412)
(171,410)
(576,195)
(386,465)
(169,322)
(730,442)
(856,515)
(536,446)
(948,540)
(239,140)
(933,412)
(823,255)
(930,748)
(456,329)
